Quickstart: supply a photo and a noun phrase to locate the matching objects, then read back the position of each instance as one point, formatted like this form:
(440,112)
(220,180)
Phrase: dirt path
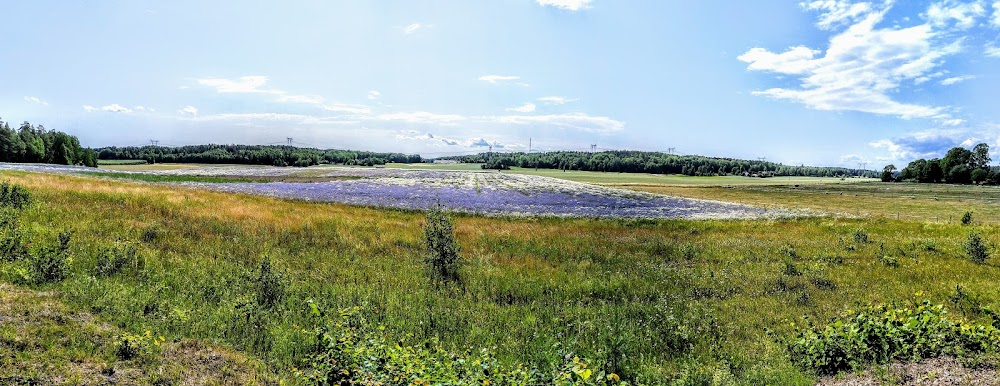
(930,372)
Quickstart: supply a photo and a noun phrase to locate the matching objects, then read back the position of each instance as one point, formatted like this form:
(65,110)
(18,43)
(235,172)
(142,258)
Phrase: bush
(967,218)
(882,334)
(14,196)
(52,264)
(133,346)
(860,237)
(439,236)
(270,285)
(976,249)
(113,259)
(350,350)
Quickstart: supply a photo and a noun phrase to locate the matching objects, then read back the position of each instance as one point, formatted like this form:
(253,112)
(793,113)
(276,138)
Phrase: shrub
(439,236)
(133,346)
(976,249)
(270,285)
(860,237)
(967,218)
(14,196)
(11,237)
(882,334)
(113,259)
(52,263)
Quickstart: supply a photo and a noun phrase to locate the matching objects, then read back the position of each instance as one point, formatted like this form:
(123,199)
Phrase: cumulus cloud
(144,108)
(996,14)
(963,14)
(570,5)
(114,108)
(245,84)
(188,110)
(494,79)
(36,100)
(993,51)
(864,66)
(525,108)
(926,144)
(836,13)
(374,94)
(956,79)
(89,108)
(556,100)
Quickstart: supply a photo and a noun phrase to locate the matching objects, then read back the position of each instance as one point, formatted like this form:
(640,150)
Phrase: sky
(829,82)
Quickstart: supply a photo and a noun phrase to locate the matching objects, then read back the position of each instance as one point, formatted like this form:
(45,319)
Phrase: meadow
(668,301)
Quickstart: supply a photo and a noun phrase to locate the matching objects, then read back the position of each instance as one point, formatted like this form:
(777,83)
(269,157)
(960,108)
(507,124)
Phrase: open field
(653,300)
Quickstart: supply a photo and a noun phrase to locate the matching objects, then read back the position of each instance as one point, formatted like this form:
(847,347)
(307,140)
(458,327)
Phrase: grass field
(653,301)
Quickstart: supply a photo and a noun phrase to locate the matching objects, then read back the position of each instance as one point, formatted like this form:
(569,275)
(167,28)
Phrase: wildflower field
(108,279)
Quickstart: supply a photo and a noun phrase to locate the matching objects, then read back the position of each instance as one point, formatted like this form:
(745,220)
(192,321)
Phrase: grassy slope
(672,296)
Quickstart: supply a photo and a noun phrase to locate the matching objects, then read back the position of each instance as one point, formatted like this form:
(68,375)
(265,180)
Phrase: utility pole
(593,148)
(289,141)
(529,145)
(154,143)
(670,150)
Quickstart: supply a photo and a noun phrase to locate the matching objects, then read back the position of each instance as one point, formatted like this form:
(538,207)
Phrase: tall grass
(651,301)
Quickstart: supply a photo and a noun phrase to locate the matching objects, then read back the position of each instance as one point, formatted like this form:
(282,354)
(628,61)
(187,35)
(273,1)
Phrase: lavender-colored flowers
(486,193)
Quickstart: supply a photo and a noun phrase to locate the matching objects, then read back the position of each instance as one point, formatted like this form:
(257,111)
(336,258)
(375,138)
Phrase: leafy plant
(138,346)
(14,196)
(882,334)
(51,264)
(270,285)
(439,236)
(976,248)
(116,257)
(967,218)
(861,237)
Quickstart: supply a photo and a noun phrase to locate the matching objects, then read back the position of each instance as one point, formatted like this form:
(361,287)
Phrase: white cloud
(422,117)
(36,100)
(89,108)
(412,28)
(188,110)
(374,94)
(992,51)
(556,100)
(577,121)
(964,14)
(956,79)
(307,99)
(348,108)
(115,108)
(862,68)
(497,78)
(953,122)
(267,118)
(245,84)
(571,5)
(525,108)
(837,12)
(851,159)
(924,144)
(996,14)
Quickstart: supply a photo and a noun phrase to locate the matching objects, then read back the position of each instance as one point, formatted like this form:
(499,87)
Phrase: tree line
(35,144)
(959,166)
(252,155)
(651,162)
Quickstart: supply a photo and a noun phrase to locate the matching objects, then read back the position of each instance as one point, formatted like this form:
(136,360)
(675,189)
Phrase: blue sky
(818,82)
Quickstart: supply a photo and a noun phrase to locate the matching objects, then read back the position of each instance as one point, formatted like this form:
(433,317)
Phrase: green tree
(887,173)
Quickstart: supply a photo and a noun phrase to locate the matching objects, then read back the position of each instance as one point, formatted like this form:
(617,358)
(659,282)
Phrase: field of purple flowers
(484,193)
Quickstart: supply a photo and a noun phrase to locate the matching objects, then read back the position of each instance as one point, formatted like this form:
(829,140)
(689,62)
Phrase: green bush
(882,334)
(117,257)
(270,285)
(976,249)
(14,196)
(860,237)
(439,236)
(137,346)
(51,264)
(967,218)
(349,350)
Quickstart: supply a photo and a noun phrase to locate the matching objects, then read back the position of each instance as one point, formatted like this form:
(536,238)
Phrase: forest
(651,162)
(252,155)
(35,144)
